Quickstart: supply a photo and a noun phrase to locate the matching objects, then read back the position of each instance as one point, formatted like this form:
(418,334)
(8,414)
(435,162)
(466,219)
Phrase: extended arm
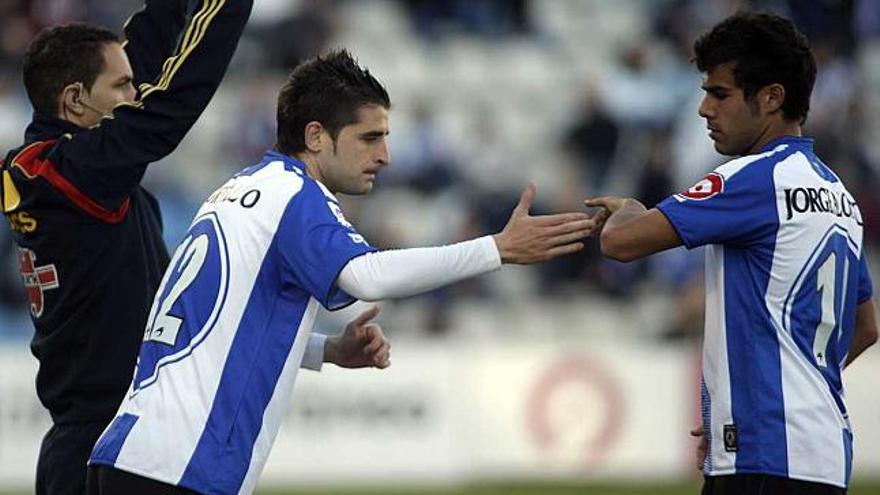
(865,334)
(406,272)
(631,231)
(153,34)
(525,239)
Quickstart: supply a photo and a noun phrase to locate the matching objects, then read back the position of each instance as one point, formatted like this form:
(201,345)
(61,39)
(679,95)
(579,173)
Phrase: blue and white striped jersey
(228,330)
(785,270)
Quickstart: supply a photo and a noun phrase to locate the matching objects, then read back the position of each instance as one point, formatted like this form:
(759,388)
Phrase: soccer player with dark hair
(90,247)
(231,320)
(789,300)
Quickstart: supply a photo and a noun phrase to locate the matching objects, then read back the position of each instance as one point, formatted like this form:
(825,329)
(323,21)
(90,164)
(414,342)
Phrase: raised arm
(153,34)
(108,161)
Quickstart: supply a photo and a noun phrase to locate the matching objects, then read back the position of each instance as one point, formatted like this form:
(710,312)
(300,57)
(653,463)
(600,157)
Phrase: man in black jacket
(90,247)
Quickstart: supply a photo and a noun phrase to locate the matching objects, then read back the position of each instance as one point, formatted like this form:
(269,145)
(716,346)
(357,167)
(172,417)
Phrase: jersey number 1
(827,286)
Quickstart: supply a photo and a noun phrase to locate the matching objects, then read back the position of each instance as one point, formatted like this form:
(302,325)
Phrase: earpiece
(78,99)
(80,88)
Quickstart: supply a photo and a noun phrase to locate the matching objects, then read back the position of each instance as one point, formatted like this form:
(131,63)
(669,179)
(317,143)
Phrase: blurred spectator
(836,82)
(54,12)
(16,31)
(643,89)
(433,18)
(109,14)
(493,173)
(592,141)
(253,132)
(291,31)
(422,155)
(826,20)
(655,181)
(866,19)
(14,108)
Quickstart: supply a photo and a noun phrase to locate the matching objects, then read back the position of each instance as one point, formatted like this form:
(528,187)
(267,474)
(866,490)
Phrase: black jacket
(90,247)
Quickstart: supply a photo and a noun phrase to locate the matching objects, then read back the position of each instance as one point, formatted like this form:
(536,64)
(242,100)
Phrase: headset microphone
(92,108)
(82,102)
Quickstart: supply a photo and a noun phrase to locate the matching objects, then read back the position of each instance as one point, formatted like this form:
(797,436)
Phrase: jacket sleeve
(108,161)
(153,34)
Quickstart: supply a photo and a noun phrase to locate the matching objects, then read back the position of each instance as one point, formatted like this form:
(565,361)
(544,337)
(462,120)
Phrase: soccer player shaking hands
(789,299)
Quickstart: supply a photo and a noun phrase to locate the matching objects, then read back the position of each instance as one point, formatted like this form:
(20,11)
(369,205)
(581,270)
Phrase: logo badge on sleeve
(710,186)
(340,217)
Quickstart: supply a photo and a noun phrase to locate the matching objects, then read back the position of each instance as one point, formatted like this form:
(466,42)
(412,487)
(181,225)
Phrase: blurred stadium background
(579,376)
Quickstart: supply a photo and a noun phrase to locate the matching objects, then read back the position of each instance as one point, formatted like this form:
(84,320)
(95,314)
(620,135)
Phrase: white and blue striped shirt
(785,270)
(228,329)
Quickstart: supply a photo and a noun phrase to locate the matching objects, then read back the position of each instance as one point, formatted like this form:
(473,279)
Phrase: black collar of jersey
(44,127)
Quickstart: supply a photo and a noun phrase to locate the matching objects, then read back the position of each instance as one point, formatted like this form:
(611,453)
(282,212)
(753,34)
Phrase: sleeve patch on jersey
(358,239)
(340,217)
(711,185)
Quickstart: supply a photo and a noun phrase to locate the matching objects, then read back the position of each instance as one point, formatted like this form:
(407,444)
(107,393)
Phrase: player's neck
(773,131)
(311,164)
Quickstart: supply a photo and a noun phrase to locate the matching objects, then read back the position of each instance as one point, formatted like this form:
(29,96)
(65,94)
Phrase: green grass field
(645,489)
(546,490)
(517,490)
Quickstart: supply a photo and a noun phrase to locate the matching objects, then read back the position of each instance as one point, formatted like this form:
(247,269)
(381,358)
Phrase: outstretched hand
(609,204)
(531,239)
(361,344)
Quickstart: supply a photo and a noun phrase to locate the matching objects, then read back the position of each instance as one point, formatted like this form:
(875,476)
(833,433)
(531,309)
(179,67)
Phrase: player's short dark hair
(63,55)
(765,49)
(328,89)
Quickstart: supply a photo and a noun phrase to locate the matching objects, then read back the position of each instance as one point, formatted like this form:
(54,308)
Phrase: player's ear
(314,136)
(771,97)
(70,102)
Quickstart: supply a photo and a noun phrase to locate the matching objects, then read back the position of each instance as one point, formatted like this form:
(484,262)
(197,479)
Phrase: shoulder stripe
(732,167)
(194,34)
(327,193)
(28,161)
(170,61)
